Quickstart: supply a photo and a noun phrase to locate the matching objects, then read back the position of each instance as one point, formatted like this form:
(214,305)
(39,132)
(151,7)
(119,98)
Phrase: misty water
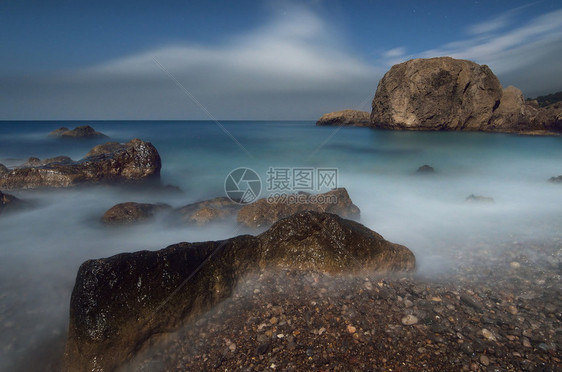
(41,248)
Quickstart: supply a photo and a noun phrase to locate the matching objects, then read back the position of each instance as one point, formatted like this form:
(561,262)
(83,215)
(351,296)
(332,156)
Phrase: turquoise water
(41,249)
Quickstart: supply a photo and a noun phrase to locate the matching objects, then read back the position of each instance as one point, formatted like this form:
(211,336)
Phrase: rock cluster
(83,131)
(451,94)
(133,162)
(118,303)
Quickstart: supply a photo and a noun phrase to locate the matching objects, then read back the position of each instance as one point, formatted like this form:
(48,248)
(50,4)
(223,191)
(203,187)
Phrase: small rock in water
(484,360)
(351,329)
(515,265)
(409,320)
(408,303)
(232,347)
(512,310)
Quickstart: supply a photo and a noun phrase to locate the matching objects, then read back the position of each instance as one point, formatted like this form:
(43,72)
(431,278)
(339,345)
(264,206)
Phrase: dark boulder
(265,212)
(556,179)
(130,212)
(83,131)
(120,303)
(479,199)
(9,202)
(133,162)
(425,169)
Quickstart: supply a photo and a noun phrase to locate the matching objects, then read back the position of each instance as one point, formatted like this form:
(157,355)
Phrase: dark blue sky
(252,59)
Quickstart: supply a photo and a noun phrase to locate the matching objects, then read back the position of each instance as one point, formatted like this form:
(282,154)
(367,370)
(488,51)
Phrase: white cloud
(293,67)
(394,53)
(509,50)
(295,52)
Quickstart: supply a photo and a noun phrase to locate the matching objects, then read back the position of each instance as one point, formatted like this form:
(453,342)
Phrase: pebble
(514,265)
(526,342)
(484,360)
(351,329)
(408,303)
(488,335)
(512,310)
(232,347)
(409,320)
(273,320)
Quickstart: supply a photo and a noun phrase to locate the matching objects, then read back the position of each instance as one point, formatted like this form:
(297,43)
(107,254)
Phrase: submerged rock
(208,210)
(265,212)
(119,303)
(130,212)
(425,169)
(133,162)
(346,117)
(451,94)
(556,179)
(9,202)
(479,199)
(3,169)
(83,131)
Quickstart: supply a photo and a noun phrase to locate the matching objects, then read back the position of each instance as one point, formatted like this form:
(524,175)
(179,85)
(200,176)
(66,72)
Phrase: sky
(252,60)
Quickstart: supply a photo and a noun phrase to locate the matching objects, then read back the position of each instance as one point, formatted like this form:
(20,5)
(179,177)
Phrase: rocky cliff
(450,94)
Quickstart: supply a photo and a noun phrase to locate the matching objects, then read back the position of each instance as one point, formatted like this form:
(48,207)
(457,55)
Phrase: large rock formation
(132,162)
(83,131)
(436,94)
(265,212)
(346,117)
(119,303)
(130,212)
(450,94)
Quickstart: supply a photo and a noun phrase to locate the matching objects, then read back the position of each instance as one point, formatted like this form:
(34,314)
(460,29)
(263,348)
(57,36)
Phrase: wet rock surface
(265,212)
(346,117)
(483,316)
(207,211)
(133,162)
(83,131)
(131,212)
(119,303)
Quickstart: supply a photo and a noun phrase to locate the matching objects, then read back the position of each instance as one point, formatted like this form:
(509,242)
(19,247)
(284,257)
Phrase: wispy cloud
(291,67)
(510,49)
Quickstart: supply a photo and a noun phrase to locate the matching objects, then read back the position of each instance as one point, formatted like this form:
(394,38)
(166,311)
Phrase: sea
(41,248)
